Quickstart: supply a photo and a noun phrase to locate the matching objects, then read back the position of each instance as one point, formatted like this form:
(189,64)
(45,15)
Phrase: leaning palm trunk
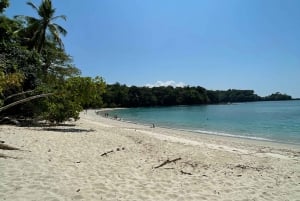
(24,101)
(19,94)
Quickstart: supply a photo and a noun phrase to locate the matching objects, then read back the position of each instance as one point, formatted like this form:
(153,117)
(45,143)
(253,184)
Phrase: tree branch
(24,100)
(168,161)
(19,94)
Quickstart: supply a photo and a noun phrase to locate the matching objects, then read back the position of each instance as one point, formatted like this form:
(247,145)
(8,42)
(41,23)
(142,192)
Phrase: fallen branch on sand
(183,172)
(7,147)
(118,149)
(168,161)
(5,156)
(105,153)
(244,167)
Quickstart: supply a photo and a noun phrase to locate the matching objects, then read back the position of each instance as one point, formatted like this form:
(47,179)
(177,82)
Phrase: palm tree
(44,29)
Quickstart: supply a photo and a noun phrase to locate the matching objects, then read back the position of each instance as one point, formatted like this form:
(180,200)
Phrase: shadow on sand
(68,130)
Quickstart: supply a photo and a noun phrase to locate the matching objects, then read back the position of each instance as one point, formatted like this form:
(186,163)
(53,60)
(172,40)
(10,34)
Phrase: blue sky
(216,44)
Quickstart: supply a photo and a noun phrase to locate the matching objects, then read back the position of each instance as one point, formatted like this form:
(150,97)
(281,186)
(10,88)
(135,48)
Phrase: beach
(105,159)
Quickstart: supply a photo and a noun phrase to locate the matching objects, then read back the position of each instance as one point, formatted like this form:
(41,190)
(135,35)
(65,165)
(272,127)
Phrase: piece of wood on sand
(5,156)
(7,147)
(106,153)
(167,162)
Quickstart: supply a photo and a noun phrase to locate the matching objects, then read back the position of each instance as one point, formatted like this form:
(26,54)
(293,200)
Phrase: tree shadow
(31,122)
(68,130)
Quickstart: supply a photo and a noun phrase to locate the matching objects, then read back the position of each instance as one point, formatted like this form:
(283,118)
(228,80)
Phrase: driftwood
(118,149)
(244,167)
(183,172)
(8,120)
(168,161)
(5,156)
(105,153)
(7,147)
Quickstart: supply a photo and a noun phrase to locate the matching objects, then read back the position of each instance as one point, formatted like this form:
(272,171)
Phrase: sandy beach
(97,158)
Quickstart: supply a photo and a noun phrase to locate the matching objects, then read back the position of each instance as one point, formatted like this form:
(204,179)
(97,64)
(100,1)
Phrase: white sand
(65,163)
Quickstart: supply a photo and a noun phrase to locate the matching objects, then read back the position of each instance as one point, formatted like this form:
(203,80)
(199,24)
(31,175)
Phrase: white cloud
(166,83)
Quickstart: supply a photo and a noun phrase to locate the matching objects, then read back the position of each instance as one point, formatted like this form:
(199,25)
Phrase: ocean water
(271,121)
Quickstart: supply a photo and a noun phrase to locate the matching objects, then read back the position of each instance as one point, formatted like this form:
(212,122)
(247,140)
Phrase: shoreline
(207,133)
(105,159)
(197,136)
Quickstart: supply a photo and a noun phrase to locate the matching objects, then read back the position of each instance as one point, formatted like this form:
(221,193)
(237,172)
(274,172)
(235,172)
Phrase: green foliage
(8,28)
(86,91)
(118,95)
(41,30)
(233,95)
(60,108)
(57,62)
(15,58)
(32,58)
(71,96)
(3,4)
(277,96)
(11,80)
(8,81)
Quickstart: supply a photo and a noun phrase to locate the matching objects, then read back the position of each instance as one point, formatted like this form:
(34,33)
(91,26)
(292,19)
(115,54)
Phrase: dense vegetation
(117,95)
(39,81)
(37,77)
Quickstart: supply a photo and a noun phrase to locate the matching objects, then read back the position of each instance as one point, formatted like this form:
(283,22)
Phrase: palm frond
(60,16)
(60,29)
(40,29)
(25,18)
(46,10)
(19,17)
(32,5)
(55,34)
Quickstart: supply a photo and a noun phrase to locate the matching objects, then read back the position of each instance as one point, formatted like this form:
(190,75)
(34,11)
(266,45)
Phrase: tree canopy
(37,76)
(39,31)
(118,95)
(3,4)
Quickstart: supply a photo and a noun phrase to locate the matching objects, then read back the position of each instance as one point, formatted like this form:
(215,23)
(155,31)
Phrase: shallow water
(273,121)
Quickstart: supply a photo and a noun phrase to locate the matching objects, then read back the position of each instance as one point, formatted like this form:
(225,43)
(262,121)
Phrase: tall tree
(44,29)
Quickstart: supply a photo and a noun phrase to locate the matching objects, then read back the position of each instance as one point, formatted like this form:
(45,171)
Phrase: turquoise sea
(272,121)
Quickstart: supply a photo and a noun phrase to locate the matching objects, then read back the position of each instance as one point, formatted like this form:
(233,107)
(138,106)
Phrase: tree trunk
(24,100)
(19,94)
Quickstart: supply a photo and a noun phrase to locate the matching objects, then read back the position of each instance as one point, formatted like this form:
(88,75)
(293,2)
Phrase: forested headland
(38,80)
(118,95)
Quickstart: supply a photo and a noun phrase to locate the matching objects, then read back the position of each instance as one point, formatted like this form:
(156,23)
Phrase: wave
(232,135)
(243,137)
